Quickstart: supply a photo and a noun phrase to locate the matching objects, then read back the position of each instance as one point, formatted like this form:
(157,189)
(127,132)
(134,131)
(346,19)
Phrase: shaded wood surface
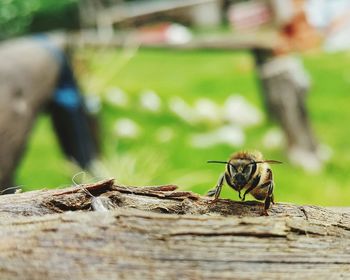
(161,233)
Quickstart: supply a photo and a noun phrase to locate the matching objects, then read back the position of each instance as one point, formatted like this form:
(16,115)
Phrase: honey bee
(250,172)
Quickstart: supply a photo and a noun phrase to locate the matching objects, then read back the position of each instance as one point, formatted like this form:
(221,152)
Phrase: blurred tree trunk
(28,75)
(285,84)
(160,233)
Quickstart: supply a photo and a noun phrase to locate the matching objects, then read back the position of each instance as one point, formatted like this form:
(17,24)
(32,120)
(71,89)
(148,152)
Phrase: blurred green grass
(192,75)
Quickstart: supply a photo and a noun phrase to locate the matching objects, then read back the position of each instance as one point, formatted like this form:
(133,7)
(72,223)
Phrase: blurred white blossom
(273,139)
(180,108)
(150,101)
(126,128)
(228,134)
(93,103)
(117,97)
(239,111)
(178,34)
(207,111)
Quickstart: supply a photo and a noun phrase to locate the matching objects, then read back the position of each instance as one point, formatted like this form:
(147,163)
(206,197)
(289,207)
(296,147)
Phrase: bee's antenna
(267,161)
(225,162)
(217,161)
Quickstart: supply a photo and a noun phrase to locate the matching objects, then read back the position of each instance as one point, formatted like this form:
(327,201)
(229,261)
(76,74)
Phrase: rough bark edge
(155,232)
(159,199)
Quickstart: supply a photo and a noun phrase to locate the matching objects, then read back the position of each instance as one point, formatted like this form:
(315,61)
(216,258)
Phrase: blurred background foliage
(18,17)
(162,152)
(149,159)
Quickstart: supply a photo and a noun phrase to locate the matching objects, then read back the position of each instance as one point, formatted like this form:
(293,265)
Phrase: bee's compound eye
(247,169)
(233,170)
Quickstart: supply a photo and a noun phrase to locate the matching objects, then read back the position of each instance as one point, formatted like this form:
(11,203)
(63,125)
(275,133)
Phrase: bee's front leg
(268,199)
(217,190)
(264,213)
(272,199)
(253,185)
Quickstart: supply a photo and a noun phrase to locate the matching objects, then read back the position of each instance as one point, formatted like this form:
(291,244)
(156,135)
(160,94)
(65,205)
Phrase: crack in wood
(242,233)
(304,212)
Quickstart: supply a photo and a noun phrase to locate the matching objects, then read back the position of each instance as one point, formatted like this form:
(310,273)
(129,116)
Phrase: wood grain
(158,233)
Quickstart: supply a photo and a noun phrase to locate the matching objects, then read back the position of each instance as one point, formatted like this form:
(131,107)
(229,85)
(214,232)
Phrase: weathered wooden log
(28,74)
(158,233)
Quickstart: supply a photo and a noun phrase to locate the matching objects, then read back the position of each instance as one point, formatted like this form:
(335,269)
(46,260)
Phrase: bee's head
(240,171)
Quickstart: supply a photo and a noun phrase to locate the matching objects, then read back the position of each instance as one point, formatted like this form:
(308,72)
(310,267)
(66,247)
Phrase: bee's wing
(272,161)
(267,161)
(217,161)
